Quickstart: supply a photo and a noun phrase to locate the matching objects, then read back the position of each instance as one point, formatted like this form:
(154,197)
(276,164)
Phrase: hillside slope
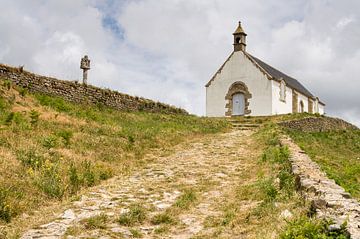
(51,149)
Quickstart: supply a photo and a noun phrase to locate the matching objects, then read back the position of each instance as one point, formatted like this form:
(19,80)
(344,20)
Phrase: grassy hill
(50,149)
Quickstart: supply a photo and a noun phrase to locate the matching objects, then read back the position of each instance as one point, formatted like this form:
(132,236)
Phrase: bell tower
(239,39)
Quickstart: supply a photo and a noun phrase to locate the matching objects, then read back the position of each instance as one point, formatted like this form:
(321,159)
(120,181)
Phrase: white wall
(278,106)
(239,68)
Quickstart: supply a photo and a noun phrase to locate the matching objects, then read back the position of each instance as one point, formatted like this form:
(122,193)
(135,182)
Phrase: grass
(51,149)
(162,218)
(187,198)
(338,154)
(305,227)
(137,214)
(96,222)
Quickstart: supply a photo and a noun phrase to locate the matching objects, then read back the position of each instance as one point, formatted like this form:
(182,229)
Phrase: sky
(167,50)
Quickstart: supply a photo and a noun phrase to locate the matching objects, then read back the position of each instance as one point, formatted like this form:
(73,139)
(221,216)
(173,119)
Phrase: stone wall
(80,93)
(328,200)
(318,124)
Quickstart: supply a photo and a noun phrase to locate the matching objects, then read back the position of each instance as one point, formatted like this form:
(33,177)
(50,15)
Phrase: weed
(136,233)
(22,91)
(30,158)
(7,84)
(162,229)
(186,199)
(66,135)
(49,142)
(34,117)
(50,181)
(9,118)
(268,188)
(136,214)
(96,222)
(162,218)
(5,210)
(74,178)
(88,174)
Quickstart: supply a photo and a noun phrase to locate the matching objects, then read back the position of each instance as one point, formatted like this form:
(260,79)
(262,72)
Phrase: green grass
(96,222)
(162,218)
(137,214)
(186,199)
(305,227)
(338,154)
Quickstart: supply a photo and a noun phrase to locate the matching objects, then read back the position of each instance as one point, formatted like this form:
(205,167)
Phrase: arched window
(282,91)
(237,40)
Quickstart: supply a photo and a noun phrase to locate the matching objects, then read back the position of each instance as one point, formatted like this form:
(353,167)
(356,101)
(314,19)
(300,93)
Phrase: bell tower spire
(239,39)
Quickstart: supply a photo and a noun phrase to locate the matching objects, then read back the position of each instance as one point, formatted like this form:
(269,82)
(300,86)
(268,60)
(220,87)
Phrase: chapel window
(282,91)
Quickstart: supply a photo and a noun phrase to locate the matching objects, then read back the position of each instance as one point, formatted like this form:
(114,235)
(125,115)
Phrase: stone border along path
(328,199)
(211,167)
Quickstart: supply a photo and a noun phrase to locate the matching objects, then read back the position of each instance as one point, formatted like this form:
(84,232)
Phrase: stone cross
(85,66)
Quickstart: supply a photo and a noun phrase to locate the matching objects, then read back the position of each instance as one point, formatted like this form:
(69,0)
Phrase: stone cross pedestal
(85,66)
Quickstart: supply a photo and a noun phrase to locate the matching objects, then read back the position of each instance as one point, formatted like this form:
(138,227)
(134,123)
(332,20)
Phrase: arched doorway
(238,103)
(301,108)
(237,99)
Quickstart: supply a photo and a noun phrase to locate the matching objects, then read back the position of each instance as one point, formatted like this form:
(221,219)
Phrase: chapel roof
(291,82)
(239,30)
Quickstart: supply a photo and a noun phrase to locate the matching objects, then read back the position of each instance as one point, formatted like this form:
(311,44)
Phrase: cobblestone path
(208,169)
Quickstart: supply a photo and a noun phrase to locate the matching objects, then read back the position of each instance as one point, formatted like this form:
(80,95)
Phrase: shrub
(136,214)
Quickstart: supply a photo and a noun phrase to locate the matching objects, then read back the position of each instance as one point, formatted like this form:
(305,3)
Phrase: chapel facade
(245,85)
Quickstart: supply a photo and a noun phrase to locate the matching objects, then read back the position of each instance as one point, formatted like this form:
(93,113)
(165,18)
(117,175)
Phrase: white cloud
(167,50)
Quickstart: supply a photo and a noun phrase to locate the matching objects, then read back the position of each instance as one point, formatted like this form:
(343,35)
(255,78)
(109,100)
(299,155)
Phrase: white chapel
(245,85)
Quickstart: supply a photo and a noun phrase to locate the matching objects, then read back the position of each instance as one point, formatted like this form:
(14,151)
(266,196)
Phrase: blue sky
(168,49)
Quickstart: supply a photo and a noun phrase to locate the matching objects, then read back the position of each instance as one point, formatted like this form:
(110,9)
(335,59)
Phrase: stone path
(329,200)
(209,169)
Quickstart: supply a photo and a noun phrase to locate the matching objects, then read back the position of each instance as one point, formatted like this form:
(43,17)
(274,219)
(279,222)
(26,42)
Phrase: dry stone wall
(80,93)
(328,199)
(318,124)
